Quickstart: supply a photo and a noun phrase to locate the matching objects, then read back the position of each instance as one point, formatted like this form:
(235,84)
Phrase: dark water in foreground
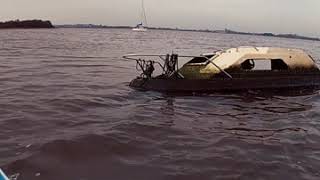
(66,112)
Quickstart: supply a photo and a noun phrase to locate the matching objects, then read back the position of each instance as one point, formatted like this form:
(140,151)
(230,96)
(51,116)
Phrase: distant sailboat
(141,27)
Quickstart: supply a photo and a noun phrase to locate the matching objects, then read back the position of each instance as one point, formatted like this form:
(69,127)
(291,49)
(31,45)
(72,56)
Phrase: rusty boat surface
(242,68)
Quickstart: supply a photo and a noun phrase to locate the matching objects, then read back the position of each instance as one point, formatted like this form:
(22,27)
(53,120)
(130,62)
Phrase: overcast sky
(278,16)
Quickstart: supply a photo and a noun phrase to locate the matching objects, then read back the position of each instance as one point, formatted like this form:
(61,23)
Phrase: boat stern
(138,83)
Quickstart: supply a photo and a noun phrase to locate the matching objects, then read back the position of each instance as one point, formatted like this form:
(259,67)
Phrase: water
(66,112)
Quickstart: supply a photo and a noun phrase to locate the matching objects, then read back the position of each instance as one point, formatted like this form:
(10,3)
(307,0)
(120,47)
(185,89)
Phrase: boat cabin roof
(248,59)
(234,57)
(293,58)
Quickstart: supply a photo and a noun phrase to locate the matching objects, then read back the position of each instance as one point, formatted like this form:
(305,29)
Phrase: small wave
(79,65)
(80,57)
(89,157)
(77,105)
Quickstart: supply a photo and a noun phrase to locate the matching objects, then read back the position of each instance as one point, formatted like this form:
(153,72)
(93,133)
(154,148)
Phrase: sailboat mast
(144,13)
(141,26)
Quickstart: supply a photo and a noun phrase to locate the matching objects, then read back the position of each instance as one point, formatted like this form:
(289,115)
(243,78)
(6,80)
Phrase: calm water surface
(66,112)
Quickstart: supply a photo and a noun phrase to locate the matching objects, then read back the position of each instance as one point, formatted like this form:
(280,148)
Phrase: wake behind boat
(234,69)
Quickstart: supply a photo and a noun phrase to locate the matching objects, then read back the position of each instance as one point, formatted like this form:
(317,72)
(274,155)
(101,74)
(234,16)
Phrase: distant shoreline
(226,31)
(26,24)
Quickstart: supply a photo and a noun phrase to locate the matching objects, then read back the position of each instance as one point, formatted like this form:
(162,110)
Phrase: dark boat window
(264,65)
(248,64)
(278,64)
(200,59)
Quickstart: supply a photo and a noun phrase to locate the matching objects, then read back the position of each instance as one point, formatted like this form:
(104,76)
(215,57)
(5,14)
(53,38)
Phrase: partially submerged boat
(241,68)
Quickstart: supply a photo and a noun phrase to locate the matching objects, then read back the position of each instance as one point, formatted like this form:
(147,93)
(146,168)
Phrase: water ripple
(66,112)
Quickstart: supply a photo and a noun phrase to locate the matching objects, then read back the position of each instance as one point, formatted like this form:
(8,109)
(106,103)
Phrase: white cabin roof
(233,59)
(294,58)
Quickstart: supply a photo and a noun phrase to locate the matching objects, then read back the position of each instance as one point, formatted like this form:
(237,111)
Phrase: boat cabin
(248,60)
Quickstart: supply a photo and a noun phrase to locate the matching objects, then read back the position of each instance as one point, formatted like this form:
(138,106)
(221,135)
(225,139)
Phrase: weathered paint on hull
(226,84)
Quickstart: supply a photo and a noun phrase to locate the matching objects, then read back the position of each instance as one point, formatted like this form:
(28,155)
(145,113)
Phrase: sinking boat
(242,68)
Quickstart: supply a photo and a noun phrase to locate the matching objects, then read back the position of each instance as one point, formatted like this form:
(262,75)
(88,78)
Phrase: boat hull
(227,84)
(140,29)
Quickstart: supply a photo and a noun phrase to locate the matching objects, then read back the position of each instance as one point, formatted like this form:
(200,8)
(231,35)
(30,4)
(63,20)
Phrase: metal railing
(164,63)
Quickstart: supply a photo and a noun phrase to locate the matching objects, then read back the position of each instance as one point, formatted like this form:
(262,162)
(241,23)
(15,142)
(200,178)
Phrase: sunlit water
(66,112)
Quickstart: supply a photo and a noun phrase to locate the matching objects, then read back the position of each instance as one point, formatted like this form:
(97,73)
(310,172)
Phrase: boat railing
(169,64)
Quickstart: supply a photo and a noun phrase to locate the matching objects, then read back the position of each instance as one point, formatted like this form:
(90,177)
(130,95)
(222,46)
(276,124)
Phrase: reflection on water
(67,112)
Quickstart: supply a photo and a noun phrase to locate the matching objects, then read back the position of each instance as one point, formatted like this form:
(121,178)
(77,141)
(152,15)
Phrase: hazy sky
(278,16)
